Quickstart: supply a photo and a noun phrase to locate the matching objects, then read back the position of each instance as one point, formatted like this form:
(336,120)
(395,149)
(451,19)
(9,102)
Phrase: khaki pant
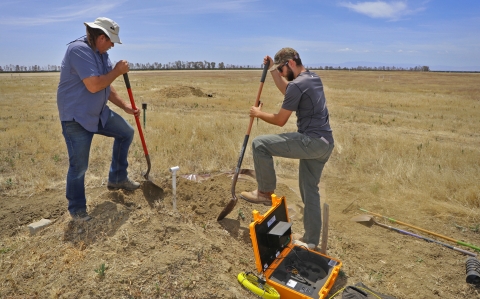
(313,153)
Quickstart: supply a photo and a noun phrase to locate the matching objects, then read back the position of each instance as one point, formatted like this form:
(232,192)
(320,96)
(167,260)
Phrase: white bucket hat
(108,26)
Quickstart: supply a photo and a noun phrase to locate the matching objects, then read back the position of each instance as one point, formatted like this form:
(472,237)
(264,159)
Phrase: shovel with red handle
(139,127)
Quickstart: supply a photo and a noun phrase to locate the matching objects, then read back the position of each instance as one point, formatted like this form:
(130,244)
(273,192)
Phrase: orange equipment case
(294,271)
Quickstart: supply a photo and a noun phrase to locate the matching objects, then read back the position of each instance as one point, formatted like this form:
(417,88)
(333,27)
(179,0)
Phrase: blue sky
(441,34)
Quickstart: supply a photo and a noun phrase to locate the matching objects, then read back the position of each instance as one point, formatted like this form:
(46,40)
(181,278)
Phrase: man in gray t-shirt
(312,144)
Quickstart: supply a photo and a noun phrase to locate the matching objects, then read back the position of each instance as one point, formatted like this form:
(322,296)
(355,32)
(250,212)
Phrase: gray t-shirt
(305,96)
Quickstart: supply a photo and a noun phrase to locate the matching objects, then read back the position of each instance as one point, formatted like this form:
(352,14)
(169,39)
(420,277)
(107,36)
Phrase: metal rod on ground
(425,238)
(424,230)
(368,221)
(323,248)
(174,170)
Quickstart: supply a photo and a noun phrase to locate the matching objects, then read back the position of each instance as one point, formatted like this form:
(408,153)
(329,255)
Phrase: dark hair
(92,34)
(298,61)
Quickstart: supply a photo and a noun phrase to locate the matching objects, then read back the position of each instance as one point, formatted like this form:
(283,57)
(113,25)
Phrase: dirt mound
(138,246)
(178,91)
(149,250)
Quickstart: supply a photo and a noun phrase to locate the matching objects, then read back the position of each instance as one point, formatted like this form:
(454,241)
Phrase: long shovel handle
(247,135)
(137,120)
(231,204)
(424,230)
(257,100)
(239,164)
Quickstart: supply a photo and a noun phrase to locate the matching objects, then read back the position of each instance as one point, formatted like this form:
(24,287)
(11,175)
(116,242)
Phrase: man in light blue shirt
(83,92)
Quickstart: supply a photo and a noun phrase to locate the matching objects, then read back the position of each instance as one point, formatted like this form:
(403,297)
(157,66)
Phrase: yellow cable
(333,296)
(250,282)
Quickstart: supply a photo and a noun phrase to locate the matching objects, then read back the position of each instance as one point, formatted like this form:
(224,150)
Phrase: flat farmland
(407,146)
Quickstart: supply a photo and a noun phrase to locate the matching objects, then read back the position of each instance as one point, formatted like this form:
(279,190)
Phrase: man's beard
(289,76)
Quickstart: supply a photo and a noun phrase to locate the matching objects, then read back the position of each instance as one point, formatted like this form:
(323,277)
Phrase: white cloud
(380,9)
(345,50)
(62,14)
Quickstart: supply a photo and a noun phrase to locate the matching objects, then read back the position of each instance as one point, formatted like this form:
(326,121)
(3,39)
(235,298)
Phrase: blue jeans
(313,153)
(78,142)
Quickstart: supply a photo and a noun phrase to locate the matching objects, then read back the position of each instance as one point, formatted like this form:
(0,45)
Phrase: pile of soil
(139,246)
(178,91)
(149,249)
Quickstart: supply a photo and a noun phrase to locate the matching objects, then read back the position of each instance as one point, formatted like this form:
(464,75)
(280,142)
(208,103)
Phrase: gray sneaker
(81,216)
(128,185)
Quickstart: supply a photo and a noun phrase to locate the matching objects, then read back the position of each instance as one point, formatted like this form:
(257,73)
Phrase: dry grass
(411,141)
(406,146)
(400,135)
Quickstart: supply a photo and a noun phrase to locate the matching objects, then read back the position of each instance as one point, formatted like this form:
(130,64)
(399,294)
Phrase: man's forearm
(277,119)
(267,117)
(115,99)
(280,82)
(96,83)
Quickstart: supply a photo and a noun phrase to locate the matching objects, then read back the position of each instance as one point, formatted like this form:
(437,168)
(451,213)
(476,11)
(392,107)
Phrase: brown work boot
(258,197)
(298,240)
(297,236)
(127,184)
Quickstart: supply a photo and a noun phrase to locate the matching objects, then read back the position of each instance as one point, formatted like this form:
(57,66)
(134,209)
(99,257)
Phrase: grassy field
(398,134)
(407,145)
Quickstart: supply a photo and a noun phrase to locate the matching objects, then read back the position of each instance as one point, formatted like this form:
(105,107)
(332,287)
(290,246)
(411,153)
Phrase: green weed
(374,275)
(101,270)
(5,250)
(9,182)
(240,214)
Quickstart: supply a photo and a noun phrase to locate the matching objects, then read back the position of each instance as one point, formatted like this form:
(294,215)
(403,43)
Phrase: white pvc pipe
(174,170)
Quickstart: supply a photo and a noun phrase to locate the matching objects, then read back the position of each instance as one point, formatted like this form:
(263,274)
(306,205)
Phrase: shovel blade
(149,166)
(366,220)
(228,208)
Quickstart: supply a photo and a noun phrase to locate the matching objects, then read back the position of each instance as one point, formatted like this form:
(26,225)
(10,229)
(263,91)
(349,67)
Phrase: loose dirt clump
(179,91)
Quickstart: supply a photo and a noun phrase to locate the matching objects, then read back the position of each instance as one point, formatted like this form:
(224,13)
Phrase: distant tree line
(369,68)
(205,65)
(188,65)
(177,65)
(33,68)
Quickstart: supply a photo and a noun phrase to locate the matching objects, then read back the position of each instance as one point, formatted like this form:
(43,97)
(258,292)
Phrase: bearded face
(289,75)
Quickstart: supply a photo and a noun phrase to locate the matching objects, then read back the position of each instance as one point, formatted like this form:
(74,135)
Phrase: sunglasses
(280,67)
